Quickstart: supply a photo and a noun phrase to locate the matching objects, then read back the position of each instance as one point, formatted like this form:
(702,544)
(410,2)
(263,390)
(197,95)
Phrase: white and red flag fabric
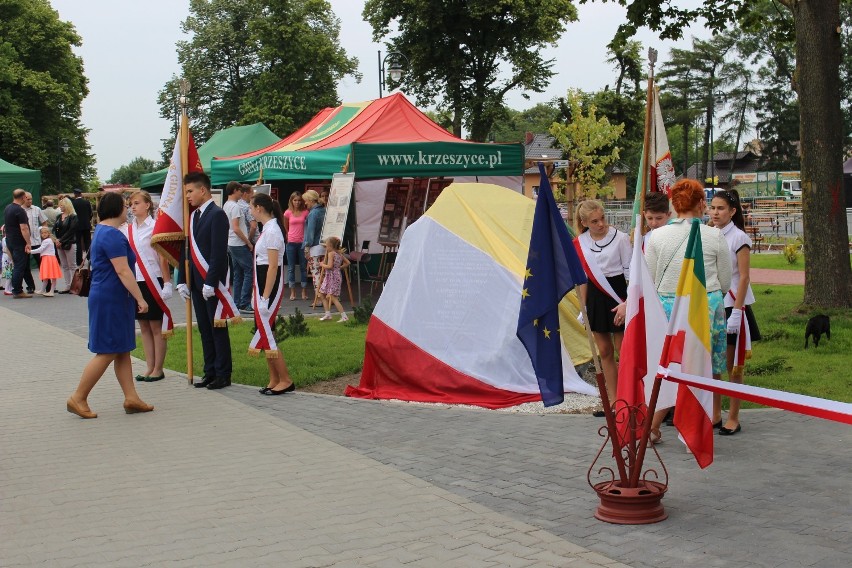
(641,347)
(662,173)
(168,234)
(687,349)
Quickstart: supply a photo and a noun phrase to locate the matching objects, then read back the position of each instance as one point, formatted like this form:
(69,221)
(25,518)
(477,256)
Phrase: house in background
(540,147)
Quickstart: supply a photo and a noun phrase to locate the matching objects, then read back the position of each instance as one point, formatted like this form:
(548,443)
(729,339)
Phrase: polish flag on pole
(687,349)
(168,234)
(642,344)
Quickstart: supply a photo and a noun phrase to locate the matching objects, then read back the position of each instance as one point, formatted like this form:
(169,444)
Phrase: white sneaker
(326,317)
(343,318)
(38,293)
(48,294)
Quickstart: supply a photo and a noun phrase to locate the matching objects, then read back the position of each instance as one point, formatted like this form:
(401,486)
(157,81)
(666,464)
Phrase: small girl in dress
(330,287)
(49,269)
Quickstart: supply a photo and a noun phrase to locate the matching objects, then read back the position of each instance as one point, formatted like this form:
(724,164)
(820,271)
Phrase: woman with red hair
(665,252)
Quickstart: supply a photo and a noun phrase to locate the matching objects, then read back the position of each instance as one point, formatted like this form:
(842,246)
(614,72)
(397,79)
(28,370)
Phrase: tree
(589,143)
(129,174)
(512,125)
(816,27)
(42,87)
(466,56)
(271,61)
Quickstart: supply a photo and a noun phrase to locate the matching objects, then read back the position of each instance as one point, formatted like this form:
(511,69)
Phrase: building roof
(541,148)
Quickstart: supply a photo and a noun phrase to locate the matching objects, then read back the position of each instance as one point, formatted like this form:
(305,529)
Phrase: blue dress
(112,327)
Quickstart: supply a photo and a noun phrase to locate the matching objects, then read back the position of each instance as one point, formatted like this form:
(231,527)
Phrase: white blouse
(612,253)
(270,238)
(737,239)
(666,248)
(145,252)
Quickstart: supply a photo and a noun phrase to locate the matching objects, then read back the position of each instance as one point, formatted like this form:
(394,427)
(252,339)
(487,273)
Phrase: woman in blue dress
(114,298)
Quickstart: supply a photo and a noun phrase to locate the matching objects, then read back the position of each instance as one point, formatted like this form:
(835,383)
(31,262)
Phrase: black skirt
(754,331)
(599,305)
(154,312)
(262,269)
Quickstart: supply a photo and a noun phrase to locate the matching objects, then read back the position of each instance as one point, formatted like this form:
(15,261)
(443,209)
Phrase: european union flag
(553,269)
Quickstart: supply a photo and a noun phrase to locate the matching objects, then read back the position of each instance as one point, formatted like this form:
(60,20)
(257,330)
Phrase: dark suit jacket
(211,235)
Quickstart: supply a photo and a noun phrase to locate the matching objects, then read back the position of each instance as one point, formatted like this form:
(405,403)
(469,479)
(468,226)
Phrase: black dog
(817,325)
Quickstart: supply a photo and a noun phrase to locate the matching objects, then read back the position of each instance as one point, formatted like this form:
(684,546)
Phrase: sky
(128,53)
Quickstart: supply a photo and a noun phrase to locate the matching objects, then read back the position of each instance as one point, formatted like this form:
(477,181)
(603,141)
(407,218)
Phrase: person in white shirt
(726,214)
(152,276)
(239,247)
(605,254)
(37,219)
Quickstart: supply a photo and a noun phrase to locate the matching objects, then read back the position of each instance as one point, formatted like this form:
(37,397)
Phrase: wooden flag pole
(646,150)
(184,161)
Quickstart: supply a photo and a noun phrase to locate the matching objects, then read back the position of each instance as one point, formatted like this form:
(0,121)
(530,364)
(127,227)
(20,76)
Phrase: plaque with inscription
(393,211)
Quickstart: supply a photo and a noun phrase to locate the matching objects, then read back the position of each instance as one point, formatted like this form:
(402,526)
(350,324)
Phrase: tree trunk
(828,278)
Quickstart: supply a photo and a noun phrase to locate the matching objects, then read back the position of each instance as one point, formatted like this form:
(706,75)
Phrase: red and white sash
(583,245)
(152,283)
(264,317)
(226,309)
(742,349)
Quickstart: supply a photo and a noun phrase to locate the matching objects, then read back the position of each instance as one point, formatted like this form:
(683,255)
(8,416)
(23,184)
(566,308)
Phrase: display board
(337,208)
(416,200)
(393,211)
(436,186)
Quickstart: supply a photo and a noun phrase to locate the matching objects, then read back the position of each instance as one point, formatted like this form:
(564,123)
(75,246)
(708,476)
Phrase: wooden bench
(756,236)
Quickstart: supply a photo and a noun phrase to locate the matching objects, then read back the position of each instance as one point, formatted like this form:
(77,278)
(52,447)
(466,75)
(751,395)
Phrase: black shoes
(205,382)
(598,413)
(219,383)
(728,432)
(270,392)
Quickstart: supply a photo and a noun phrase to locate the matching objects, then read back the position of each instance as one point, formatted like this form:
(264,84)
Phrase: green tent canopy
(13,177)
(234,140)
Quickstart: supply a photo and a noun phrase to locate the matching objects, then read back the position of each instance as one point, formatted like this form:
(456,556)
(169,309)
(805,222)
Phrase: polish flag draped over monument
(168,233)
(687,348)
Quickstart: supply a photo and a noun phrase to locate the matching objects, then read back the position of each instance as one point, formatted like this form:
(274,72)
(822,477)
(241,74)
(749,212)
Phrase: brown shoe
(134,406)
(22,295)
(74,408)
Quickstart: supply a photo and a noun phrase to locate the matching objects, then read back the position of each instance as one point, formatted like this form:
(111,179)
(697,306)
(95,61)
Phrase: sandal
(655,437)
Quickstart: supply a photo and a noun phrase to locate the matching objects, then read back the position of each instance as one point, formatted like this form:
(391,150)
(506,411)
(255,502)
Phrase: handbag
(82,279)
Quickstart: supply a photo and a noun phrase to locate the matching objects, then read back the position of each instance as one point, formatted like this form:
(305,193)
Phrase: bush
(791,253)
(363,312)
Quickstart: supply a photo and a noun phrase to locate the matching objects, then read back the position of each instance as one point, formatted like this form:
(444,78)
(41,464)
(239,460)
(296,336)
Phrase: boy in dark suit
(209,241)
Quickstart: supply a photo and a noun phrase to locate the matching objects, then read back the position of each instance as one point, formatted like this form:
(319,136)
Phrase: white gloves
(168,290)
(580,319)
(183,291)
(734,320)
(208,291)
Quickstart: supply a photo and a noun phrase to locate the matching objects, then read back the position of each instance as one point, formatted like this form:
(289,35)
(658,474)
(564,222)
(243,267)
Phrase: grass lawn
(331,350)
(776,261)
(780,361)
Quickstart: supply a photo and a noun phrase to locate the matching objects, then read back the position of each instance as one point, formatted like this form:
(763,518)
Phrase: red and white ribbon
(226,309)
(152,283)
(264,317)
(803,404)
(593,271)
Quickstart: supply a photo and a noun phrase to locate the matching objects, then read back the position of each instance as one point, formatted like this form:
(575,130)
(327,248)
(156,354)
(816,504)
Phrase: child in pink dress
(48,270)
(330,287)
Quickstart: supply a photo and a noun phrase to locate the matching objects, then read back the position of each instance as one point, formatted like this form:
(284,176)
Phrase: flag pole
(646,150)
(184,160)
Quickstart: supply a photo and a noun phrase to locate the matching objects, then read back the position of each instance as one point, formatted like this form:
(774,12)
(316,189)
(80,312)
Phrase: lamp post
(62,148)
(393,61)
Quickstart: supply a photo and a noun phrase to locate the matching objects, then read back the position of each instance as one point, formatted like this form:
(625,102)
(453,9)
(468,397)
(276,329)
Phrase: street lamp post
(62,148)
(393,61)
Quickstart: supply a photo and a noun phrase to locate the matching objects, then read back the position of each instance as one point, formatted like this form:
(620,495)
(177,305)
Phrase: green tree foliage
(270,61)
(129,174)
(42,86)
(818,32)
(512,125)
(466,56)
(589,143)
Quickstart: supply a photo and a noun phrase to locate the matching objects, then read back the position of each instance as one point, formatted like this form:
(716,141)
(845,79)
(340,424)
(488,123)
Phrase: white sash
(226,309)
(593,271)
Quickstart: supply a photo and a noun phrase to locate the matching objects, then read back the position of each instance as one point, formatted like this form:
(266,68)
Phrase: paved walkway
(773,276)
(231,478)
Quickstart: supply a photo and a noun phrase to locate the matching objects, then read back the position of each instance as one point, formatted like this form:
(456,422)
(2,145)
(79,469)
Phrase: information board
(337,208)
(393,211)
(436,186)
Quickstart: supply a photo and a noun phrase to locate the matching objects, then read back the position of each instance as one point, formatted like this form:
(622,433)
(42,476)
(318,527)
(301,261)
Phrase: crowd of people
(238,256)
(605,254)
